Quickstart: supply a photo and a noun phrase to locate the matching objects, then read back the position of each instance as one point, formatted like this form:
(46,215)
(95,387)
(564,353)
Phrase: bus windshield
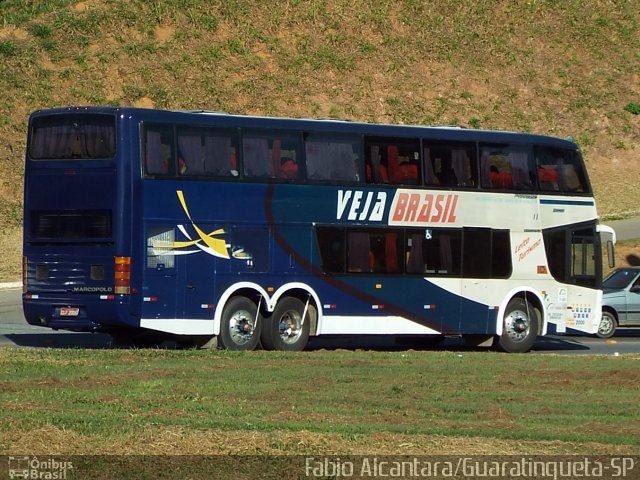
(73,136)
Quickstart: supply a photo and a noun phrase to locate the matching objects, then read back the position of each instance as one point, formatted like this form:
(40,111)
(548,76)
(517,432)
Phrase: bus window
(70,225)
(207,152)
(486,253)
(331,246)
(159,150)
(333,157)
(392,160)
(271,155)
(159,248)
(501,266)
(73,136)
(374,250)
(450,164)
(506,167)
(560,170)
(433,251)
(573,255)
(583,257)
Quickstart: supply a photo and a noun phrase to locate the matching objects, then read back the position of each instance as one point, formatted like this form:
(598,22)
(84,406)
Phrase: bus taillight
(122,275)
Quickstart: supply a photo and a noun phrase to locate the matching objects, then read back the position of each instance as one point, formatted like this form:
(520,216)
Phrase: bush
(633,107)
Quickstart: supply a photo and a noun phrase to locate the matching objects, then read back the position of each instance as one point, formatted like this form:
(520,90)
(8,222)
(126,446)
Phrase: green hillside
(565,68)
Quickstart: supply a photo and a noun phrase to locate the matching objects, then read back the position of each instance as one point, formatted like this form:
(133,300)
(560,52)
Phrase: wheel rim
(517,325)
(290,326)
(606,325)
(241,327)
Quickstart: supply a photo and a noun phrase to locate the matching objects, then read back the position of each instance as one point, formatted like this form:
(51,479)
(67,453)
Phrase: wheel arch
(249,290)
(267,302)
(531,297)
(304,293)
(612,311)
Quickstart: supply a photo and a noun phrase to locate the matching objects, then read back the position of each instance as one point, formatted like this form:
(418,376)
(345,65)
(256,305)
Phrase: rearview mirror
(611,254)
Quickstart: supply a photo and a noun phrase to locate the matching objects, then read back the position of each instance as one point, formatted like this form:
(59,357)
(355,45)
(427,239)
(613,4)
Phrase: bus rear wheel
(240,325)
(519,328)
(286,329)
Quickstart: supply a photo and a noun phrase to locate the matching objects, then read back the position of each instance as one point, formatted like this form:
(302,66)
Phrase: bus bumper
(79,314)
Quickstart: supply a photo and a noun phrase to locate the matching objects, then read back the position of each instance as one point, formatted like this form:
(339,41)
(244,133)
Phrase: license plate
(69,311)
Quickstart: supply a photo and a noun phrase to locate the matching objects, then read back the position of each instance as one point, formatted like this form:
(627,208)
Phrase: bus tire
(607,326)
(240,325)
(285,329)
(519,327)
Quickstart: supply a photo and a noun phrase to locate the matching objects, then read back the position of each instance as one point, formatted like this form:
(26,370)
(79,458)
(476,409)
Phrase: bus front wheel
(286,329)
(519,328)
(240,325)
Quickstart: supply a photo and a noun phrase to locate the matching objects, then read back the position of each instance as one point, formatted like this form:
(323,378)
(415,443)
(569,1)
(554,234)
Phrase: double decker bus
(255,231)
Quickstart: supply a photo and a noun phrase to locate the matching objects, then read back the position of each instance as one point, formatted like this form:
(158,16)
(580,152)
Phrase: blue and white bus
(264,231)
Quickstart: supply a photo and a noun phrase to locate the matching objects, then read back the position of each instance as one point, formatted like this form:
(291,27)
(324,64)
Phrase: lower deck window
(160,248)
(453,252)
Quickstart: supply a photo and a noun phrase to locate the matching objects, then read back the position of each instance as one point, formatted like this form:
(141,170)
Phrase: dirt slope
(559,68)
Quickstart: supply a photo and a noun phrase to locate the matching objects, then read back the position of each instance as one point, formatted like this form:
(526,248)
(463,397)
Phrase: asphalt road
(16,333)
(627,229)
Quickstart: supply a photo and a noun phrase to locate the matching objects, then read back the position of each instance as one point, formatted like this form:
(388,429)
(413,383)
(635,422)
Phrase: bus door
(474,316)
(435,253)
(585,271)
(486,256)
(177,284)
(160,284)
(574,258)
(195,286)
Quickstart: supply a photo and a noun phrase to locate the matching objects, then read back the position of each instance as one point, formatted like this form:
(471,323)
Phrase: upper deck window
(450,164)
(334,157)
(74,136)
(393,160)
(159,150)
(271,154)
(207,152)
(560,170)
(506,167)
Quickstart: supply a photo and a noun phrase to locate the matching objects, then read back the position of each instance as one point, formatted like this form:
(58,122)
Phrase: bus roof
(215,118)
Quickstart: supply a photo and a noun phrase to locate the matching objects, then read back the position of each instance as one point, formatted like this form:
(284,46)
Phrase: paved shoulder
(627,229)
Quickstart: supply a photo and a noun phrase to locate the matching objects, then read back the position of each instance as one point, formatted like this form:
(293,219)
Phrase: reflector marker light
(24,274)
(431,306)
(150,299)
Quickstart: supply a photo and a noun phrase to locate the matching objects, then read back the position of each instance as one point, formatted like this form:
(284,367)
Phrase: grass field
(324,402)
